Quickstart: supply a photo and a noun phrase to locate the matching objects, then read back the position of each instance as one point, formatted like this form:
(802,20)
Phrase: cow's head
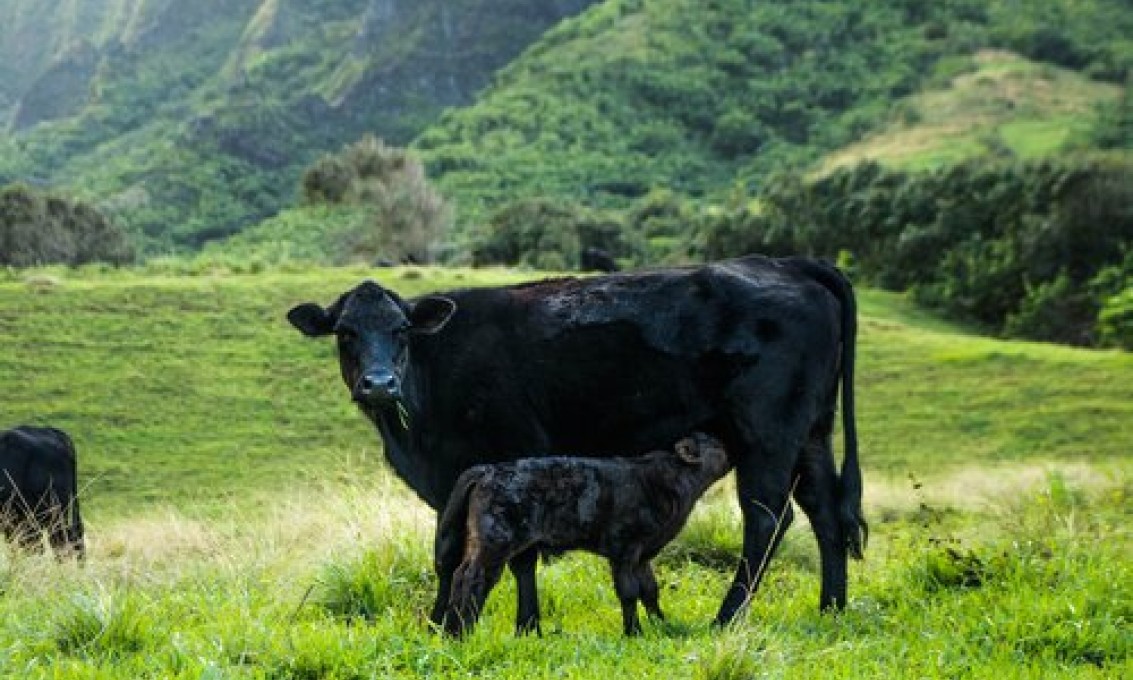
(373,327)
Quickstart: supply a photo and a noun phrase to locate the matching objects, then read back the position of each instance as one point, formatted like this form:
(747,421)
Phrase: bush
(1013,247)
(1115,321)
(1056,311)
(405,216)
(548,234)
(329,180)
(38,228)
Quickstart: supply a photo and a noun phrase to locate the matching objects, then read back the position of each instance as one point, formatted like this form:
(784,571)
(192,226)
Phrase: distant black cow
(625,509)
(751,351)
(596,260)
(39,490)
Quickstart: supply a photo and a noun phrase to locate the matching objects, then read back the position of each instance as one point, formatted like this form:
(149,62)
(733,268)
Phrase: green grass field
(242,522)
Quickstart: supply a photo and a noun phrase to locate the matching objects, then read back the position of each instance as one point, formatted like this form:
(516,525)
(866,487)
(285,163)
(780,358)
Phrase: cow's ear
(688,451)
(311,319)
(430,314)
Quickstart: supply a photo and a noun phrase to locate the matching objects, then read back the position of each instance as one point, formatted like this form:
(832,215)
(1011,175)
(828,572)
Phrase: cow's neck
(398,441)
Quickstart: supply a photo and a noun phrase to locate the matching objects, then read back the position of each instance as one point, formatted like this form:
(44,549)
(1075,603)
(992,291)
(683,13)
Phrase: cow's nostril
(378,384)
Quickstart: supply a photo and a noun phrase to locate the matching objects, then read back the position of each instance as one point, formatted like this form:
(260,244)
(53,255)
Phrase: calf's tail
(452,524)
(854,526)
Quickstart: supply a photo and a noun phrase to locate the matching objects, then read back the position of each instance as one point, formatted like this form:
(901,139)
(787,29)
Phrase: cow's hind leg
(764,462)
(527,592)
(817,495)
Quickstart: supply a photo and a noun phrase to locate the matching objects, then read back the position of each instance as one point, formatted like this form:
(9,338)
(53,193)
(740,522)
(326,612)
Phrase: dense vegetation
(188,123)
(1027,250)
(697,96)
(242,524)
(406,218)
(38,228)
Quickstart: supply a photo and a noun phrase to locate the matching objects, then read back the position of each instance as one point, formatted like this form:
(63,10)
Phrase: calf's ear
(688,451)
(311,319)
(431,313)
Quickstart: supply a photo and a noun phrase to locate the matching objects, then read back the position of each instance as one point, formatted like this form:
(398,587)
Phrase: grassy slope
(1000,103)
(226,474)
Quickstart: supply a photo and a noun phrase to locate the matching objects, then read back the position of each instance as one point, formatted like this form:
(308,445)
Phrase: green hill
(699,97)
(998,105)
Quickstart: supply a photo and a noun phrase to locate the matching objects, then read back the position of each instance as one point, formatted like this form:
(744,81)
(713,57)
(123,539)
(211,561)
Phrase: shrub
(329,180)
(38,228)
(405,216)
(546,233)
(1115,320)
(1014,247)
(1055,311)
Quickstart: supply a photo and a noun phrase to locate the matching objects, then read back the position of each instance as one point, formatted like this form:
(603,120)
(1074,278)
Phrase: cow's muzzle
(377,386)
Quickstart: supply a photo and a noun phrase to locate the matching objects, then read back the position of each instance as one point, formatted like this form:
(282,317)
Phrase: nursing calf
(624,509)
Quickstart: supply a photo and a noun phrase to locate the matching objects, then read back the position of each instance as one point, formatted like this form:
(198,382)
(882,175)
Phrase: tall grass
(1036,585)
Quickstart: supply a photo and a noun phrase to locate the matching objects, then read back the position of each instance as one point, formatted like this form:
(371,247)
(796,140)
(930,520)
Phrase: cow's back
(626,362)
(34,460)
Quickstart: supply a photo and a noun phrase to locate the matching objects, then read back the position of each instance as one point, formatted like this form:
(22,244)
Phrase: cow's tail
(77,534)
(854,526)
(72,530)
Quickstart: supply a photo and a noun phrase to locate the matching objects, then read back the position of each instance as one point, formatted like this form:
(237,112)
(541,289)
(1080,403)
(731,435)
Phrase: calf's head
(705,455)
(374,328)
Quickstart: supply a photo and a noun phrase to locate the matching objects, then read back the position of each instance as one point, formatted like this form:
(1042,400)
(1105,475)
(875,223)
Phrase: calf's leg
(527,592)
(472,581)
(650,593)
(448,550)
(629,590)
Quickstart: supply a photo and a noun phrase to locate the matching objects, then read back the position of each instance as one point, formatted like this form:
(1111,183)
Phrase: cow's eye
(347,336)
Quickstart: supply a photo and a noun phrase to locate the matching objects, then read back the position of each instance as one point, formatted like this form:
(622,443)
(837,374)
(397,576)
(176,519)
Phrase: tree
(38,228)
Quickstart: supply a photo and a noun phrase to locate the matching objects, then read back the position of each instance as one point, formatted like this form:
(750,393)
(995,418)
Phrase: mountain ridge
(232,97)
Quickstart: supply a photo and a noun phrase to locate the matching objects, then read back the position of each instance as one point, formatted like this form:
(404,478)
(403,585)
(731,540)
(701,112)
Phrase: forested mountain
(186,121)
(699,95)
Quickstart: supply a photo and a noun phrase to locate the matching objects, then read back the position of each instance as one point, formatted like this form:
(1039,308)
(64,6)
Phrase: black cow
(39,489)
(624,509)
(751,351)
(596,260)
